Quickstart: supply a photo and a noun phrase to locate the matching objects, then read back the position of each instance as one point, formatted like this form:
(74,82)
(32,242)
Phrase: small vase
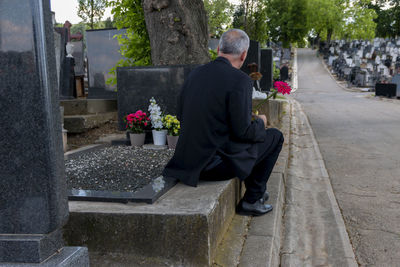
(159,137)
(172,141)
(137,139)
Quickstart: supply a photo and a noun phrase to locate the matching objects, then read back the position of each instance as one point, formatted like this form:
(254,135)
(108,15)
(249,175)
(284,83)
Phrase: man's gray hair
(234,42)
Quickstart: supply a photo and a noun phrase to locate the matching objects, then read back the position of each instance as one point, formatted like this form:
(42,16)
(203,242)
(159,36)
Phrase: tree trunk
(177,30)
(329,37)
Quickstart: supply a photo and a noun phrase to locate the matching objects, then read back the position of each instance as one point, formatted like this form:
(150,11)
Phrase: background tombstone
(266,69)
(102,54)
(79,67)
(65,84)
(33,200)
(136,85)
(284,73)
(286,54)
(213,43)
(253,56)
(385,89)
(78,55)
(396,80)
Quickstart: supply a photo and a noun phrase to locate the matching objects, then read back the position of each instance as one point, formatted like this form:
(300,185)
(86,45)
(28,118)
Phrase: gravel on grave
(116,168)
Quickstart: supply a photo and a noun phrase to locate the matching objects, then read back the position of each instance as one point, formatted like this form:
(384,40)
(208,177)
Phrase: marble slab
(148,194)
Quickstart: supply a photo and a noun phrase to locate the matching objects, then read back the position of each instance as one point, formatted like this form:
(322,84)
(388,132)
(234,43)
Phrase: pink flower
(282,87)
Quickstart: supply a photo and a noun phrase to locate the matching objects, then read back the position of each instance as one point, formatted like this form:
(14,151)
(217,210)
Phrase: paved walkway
(315,233)
(359,139)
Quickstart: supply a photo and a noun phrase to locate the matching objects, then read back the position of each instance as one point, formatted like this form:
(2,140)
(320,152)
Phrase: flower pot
(159,137)
(137,139)
(172,140)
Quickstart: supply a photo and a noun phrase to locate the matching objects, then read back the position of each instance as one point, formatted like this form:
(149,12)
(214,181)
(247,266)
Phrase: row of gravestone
(102,53)
(366,63)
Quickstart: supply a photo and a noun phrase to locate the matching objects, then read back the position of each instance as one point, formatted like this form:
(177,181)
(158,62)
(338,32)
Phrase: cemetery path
(358,136)
(314,232)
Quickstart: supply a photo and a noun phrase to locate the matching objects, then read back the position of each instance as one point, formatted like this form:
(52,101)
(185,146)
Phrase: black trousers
(256,182)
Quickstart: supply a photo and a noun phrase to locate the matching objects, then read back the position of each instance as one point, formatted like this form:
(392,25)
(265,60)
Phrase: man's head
(233,45)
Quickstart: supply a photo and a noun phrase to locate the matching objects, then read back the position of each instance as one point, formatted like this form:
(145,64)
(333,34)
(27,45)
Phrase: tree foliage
(135,43)
(388,17)
(91,11)
(342,19)
(327,17)
(219,15)
(251,16)
(360,21)
(288,20)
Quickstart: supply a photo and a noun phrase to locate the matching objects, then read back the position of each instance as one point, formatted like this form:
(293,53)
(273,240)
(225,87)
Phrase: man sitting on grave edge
(220,138)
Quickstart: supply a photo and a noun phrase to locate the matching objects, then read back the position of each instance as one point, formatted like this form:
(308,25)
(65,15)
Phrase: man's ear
(243,56)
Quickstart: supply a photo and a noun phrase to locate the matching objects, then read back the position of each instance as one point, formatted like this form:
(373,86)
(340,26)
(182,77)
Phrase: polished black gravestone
(102,55)
(284,73)
(33,199)
(267,67)
(385,89)
(136,85)
(253,56)
(148,194)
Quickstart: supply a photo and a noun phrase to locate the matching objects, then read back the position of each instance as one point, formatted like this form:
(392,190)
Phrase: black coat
(214,108)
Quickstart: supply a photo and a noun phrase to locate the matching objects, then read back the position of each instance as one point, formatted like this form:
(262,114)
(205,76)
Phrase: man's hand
(264,119)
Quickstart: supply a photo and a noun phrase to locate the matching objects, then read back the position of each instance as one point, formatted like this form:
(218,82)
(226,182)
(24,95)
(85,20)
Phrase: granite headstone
(385,89)
(78,54)
(284,73)
(266,69)
(102,55)
(396,80)
(213,44)
(136,85)
(253,56)
(33,200)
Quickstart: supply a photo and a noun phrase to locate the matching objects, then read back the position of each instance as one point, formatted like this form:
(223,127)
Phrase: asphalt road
(359,139)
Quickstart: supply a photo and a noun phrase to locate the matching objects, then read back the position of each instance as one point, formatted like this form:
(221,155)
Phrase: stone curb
(347,247)
(262,246)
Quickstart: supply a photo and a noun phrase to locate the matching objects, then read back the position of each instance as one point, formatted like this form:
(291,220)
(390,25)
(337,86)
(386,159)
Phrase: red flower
(282,87)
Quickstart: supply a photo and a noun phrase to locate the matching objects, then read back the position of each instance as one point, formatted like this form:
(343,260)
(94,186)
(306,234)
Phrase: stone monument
(253,56)
(33,200)
(266,69)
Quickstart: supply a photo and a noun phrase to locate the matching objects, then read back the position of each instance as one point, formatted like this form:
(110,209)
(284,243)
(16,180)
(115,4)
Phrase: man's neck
(234,60)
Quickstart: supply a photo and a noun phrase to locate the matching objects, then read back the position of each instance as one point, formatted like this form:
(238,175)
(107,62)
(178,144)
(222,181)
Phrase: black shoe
(258,208)
(265,196)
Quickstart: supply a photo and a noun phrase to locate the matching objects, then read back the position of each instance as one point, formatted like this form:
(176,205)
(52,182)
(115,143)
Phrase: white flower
(155,115)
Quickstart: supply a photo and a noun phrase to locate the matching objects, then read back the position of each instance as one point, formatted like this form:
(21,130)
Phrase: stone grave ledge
(183,227)
(88,106)
(82,123)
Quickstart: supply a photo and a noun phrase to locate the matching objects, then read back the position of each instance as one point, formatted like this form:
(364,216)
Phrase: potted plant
(159,133)
(173,127)
(135,124)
